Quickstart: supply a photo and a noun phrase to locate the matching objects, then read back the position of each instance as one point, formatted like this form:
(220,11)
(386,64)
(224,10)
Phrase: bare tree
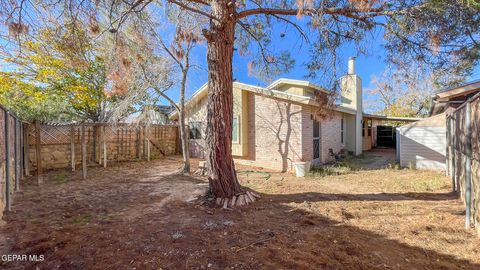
(406,91)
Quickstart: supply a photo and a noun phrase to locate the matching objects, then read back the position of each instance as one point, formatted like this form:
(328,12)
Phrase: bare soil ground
(142,216)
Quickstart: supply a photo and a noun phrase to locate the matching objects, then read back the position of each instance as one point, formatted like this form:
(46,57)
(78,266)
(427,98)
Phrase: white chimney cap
(351,66)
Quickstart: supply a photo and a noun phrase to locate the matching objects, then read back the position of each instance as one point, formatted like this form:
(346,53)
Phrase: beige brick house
(273,127)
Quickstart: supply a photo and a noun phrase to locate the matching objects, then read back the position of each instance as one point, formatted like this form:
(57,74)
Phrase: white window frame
(236,118)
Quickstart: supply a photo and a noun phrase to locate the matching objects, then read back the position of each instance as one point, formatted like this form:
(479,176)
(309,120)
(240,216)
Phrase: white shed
(422,144)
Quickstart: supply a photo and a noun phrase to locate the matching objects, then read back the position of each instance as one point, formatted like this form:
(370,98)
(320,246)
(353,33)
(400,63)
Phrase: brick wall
(278,137)
(279,133)
(330,136)
(307,133)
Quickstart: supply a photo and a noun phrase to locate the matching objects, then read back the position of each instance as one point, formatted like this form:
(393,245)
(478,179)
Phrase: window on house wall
(236,129)
(363,128)
(370,128)
(316,129)
(195,130)
(342,129)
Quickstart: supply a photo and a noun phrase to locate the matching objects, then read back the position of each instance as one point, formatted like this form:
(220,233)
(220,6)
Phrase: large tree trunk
(183,130)
(222,176)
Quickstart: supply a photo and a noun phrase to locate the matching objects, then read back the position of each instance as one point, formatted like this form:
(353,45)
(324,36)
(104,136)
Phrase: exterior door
(316,141)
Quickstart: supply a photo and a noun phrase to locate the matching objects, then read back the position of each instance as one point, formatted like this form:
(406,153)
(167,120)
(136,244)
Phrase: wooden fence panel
(466,157)
(10,157)
(122,143)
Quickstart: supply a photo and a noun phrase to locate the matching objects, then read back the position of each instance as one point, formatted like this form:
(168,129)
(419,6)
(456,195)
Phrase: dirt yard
(143,216)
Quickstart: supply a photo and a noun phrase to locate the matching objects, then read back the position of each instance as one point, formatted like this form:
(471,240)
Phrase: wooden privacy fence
(27,147)
(463,156)
(82,145)
(11,156)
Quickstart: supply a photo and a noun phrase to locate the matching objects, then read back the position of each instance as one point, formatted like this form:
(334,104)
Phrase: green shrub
(336,169)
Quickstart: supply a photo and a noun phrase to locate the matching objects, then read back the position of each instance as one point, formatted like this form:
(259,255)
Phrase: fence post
(20,147)
(72,147)
(7,162)
(84,153)
(147,141)
(139,153)
(17,174)
(447,146)
(104,135)
(468,165)
(94,142)
(452,142)
(38,153)
(100,144)
(26,150)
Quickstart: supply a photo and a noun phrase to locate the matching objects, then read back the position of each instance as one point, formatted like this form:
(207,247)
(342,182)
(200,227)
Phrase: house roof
(458,94)
(284,81)
(461,90)
(270,91)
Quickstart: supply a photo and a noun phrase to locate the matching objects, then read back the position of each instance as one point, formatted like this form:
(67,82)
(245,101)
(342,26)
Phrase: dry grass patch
(140,215)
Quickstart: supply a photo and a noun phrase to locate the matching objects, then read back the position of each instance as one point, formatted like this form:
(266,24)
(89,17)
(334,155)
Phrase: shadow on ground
(137,217)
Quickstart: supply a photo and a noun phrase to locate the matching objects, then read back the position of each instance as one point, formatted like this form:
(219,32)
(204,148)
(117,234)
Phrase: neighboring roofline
(455,87)
(393,118)
(282,81)
(441,96)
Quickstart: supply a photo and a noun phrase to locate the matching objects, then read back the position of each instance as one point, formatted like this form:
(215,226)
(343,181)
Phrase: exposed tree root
(202,169)
(239,200)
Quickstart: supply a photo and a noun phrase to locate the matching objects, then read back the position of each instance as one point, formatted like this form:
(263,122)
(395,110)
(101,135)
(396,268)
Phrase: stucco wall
(240,110)
(198,113)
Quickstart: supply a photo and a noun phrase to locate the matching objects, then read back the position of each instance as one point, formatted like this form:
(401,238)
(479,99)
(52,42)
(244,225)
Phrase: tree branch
(192,9)
(348,12)
(159,91)
(262,49)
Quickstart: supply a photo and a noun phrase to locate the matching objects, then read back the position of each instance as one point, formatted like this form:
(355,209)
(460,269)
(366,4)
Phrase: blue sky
(367,66)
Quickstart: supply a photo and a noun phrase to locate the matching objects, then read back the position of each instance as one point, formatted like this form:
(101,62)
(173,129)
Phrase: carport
(384,130)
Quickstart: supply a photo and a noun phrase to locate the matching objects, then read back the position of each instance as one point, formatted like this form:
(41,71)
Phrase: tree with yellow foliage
(56,75)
